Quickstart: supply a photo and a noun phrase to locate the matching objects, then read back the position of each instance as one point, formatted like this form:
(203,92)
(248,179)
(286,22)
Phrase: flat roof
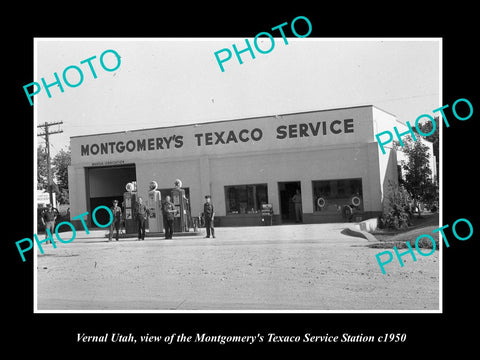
(239,119)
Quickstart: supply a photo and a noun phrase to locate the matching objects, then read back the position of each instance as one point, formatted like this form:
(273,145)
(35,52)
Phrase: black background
(55,334)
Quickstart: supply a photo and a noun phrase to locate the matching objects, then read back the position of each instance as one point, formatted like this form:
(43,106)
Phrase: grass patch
(423,225)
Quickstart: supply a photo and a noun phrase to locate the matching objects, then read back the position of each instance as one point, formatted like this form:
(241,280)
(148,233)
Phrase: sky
(168,82)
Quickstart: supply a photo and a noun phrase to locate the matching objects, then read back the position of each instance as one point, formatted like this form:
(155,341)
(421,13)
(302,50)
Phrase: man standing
(49,215)
(141,213)
(209,214)
(168,211)
(297,201)
(117,218)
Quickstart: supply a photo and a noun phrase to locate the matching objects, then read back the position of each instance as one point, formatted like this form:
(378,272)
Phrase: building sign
(119,147)
(43,198)
(306,130)
(302,130)
(320,128)
(107,163)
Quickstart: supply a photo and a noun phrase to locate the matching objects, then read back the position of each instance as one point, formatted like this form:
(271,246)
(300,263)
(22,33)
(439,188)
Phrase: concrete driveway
(287,267)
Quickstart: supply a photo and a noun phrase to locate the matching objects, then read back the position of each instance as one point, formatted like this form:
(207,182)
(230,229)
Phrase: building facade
(330,156)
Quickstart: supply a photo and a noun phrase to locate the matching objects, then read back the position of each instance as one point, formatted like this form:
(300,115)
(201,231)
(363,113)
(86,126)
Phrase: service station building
(330,156)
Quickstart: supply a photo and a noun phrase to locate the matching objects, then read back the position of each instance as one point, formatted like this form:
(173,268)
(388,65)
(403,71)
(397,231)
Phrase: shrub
(399,212)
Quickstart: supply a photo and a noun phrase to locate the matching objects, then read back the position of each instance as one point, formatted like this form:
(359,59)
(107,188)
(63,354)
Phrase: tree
(60,164)
(417,171)
(42,183)
(426,128)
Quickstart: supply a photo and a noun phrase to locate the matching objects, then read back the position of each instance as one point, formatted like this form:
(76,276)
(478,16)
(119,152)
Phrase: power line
(46,133)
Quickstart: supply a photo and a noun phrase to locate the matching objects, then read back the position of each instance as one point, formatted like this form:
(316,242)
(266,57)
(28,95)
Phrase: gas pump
(154,204)
(129,200)
(180,221)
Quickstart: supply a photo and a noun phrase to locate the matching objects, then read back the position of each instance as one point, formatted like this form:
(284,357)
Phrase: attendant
(209,214)
(141,214)
(117,218)
(168,210)
(49,215)
(297,201)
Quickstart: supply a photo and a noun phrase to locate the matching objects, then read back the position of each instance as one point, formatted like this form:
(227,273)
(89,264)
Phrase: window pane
(331,195)
(262,195)
(245,199)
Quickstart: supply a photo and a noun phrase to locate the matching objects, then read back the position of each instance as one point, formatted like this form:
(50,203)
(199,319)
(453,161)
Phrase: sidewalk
(325,232)
(101,235)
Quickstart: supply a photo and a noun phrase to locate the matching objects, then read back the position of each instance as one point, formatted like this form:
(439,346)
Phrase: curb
(352,231)
(156,234)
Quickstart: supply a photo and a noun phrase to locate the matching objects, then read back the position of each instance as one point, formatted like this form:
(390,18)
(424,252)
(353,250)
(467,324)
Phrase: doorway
(287,190)
(105,184)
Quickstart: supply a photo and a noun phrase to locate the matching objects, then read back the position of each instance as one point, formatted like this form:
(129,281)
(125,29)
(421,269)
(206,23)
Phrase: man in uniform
(117,218)
(297,201)
(141,214)
(168,210)
(48,217)
(209,215)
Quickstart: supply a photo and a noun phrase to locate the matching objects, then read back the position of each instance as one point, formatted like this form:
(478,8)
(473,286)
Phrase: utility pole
(46,134)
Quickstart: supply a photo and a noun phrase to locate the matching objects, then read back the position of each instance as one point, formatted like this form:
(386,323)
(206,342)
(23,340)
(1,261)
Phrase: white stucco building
(242,163)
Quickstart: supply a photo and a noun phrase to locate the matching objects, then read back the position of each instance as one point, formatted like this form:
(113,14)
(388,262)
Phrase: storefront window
(245,199)
(331,195)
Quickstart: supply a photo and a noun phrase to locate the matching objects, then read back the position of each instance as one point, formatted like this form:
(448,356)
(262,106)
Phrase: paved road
(289,267)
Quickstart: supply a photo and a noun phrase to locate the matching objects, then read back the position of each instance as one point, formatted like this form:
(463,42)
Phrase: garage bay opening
(105,184)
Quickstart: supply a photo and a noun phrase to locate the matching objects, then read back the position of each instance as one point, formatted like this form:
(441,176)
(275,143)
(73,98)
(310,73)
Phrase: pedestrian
(49,215)
(168,210)
(297,201)
(117,218)
(209,214)
(141,214)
